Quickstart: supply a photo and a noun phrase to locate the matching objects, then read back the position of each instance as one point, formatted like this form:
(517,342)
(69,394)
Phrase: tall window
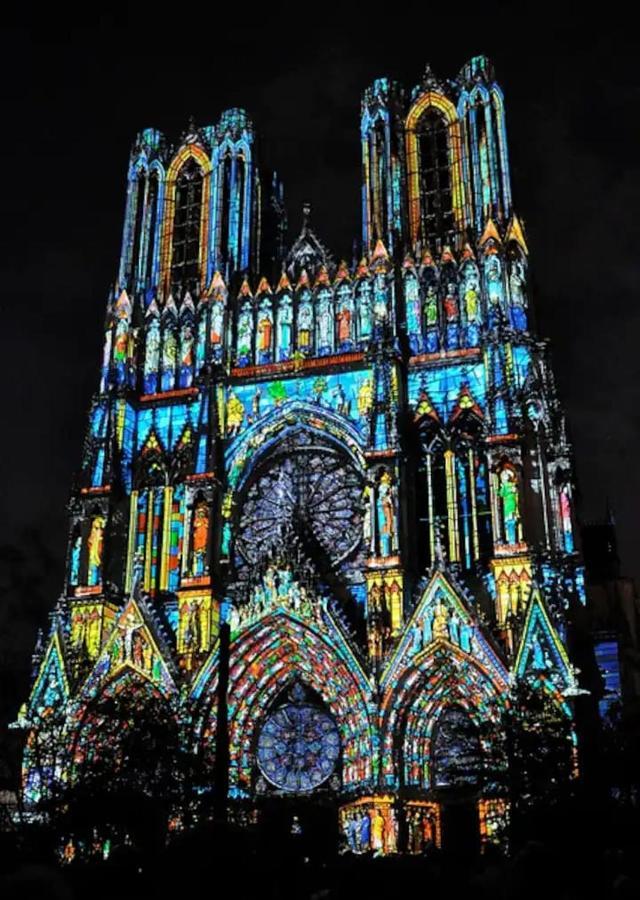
(152,219)
(435,179)
(185,260)
(378,176)
(225,208)
(137,228)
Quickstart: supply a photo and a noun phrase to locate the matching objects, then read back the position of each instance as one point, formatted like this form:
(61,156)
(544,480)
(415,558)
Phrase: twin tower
(359,467)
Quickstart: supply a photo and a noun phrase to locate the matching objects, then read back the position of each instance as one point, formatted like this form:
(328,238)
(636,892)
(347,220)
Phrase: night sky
(72,100)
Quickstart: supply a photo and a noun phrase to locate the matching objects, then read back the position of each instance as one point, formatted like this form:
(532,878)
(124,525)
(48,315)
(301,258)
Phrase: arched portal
(269,661)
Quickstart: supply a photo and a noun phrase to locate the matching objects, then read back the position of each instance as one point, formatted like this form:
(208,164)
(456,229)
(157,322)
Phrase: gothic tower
(337,498)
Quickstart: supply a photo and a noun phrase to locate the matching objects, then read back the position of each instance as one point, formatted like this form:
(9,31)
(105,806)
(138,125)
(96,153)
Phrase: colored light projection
(133,644)
(542,658)
(494,813)
(89,621)
(608,662)
(342,463)
(370,825)
(51,687)
(298,745)
(264,659)
(347,395)
(443,659)
(277,589)
(423,825)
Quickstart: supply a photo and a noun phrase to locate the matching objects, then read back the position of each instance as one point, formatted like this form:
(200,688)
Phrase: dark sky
(72,99)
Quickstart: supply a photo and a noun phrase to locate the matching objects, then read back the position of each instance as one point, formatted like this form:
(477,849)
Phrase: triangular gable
(427,258)
(286,619)
(132,644)
(170,308)
(217,288)
(152,310)
(466,403)
(284,284)
(343,273)
(515,233)
(541,653)
(362,269)
(264,287)
(122,306)
(380,257)
(51,687)
(425,408)
(447,256)
(152,444)
(187,308)
(490,234)
(443,617)
(323,276)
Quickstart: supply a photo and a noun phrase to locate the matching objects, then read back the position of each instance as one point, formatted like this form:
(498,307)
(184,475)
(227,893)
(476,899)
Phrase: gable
(443,616)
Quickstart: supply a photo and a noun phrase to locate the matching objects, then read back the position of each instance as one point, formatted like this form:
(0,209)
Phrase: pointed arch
(149,256)
(51,687)
(230,203)
(200,158)
(269,656)
(126,736)
(437,104)
(134,649)
(245,451)
(440,676)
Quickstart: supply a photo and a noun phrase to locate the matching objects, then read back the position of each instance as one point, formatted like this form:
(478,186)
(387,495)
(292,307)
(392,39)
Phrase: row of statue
(440,622)
(372,830)
(444,311)
(276,589)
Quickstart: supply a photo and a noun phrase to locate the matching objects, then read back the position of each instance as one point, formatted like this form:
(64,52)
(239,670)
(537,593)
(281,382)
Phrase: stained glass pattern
(298,748)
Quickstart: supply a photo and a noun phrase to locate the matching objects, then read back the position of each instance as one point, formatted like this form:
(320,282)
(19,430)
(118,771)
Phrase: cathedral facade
(325,513)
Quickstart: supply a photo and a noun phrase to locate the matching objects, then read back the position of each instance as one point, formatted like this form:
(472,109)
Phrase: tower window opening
(152,219)
(185,261)
(435,179)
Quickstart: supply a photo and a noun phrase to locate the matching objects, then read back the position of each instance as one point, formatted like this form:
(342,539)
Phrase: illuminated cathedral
(351,479)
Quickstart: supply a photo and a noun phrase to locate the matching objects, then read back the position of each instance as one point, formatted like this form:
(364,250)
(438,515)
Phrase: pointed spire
(187,304)
(363,269)
(217,286)
(516,233)
(323,275)
(152,309)
(284,284)
(303,281)
(380,251)
(464,403)
(429,79)
(408,262)
(245,290)
(264,287)
(467,253)
(447,256)
(343,272)
(122,306)
(170,307)
(427,258)
(490,233)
